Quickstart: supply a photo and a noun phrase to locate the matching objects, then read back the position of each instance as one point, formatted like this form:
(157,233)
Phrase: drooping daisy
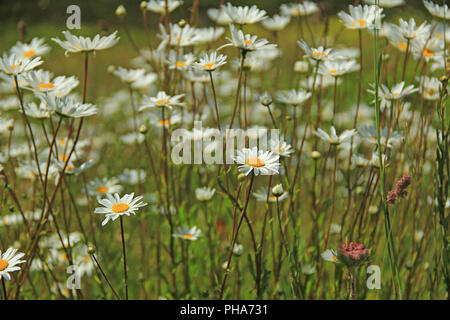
(247,42)
(159,6)
(161,100)
(13,65)
(436,10)
(116,206)
(210,62)
(205,193)
(68,107)
(244,15)
(9,261)
(258,161)
(104,186)
(361,17)
(75,44)
(293,97)
(38,112)
(187,233)
(35,48)
(333,138)
(276,23)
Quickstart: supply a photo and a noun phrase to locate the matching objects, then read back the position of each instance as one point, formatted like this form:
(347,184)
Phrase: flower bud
(182,23)
(265,99)
(315,155)
(241,177)
(91,249)
(277,190)
(111,69)
(143,129)
(143,5)
(121,11)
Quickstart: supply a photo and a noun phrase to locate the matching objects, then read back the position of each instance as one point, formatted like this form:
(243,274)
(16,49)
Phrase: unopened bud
(143,129)
(265,99)
(111,69)
(121,11)
(241,177)
(315,155)
(277,190)
(91,249)
(143,5)
(182,23)
(301,66)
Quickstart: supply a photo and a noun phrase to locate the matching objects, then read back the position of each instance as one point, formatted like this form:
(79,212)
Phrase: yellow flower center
(62,142)
(120,207)
(64,257)
(64,157)
(439,35)
(333,71)
(361,22)
(296,12)
(29,53)
(180,64)
(248,41)
(402,45)
(13,66)
(272,198)
(208,65)
(162,101)
(102,189)
(428,53)
(318,53)
(77,47)
(47,85)
(255,162)
(188,236)
(164,122)
(3,264)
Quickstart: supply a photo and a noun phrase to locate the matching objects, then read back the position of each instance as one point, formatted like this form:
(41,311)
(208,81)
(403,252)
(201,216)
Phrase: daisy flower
(258,161)
(38,112)
(128,76)
(305,8)
(219,16)
(207,35)
(397,92)
(333,138)
(244,15)
(261,195)
(360,17)
(276,23)
(159,6)
(437,10)
(329,255)
(116,206)
(186,36)
(35,48)
(180,61)
(187,233)
(104,186)
(339,67)
(67,106)
(317,54)
(204,194)
(13,65)
(247,42)
(281,148)
(293,97)
(161,100)
(430,88)
(210,62)
(9,261)
(409,30)
(428,48)
(75,44)
(386,3)
(42,81)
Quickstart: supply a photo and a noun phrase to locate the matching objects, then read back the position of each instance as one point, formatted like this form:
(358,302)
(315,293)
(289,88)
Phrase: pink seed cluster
(399,190)
(353,251)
